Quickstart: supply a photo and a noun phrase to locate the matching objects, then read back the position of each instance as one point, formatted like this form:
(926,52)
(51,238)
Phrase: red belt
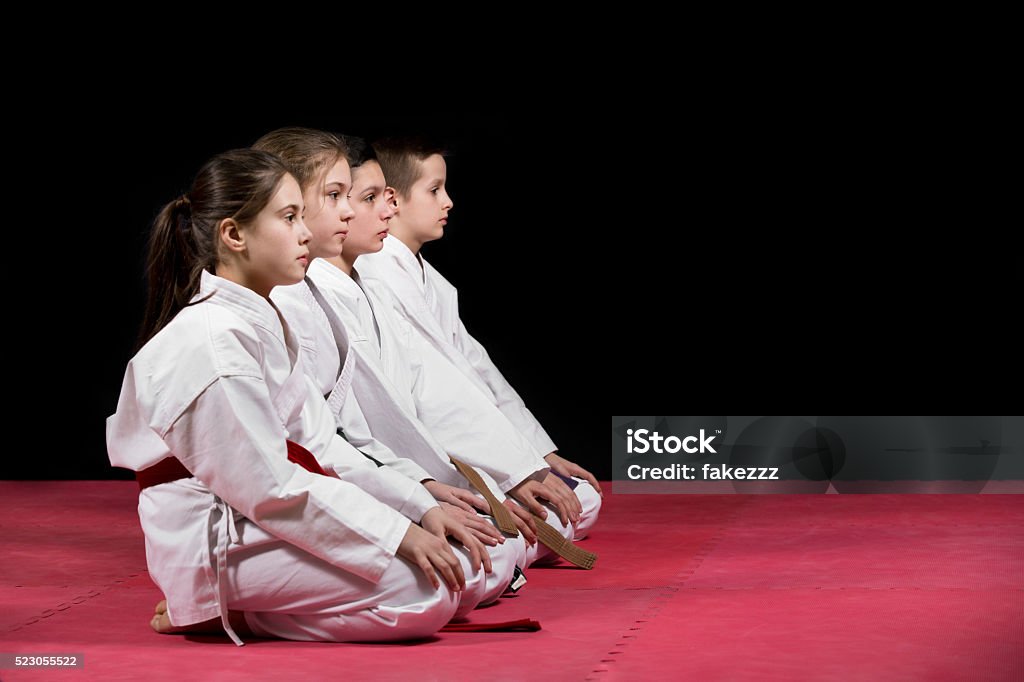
(171,469)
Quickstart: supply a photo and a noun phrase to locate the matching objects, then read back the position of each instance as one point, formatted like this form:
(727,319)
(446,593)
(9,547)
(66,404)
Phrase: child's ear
(391,196)
(231,235)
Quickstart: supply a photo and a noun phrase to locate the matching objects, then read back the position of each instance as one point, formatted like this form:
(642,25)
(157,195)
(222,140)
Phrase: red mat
(808,634)
(843,587)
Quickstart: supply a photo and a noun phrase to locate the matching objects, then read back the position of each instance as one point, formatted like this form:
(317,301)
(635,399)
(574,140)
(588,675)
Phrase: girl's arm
(231,439)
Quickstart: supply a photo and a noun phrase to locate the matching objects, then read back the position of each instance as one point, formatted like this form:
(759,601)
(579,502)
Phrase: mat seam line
(667,591)
(76,601)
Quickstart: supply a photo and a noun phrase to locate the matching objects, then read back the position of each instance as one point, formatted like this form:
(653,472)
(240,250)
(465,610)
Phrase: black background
(515,247)
(760,251)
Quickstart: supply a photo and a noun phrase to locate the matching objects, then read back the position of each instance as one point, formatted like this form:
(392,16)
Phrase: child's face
(424,213)
(371,202)
(328,211)
(277,240)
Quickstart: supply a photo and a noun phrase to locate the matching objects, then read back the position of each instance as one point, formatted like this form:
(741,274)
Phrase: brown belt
(563,547)
(502,516)
(546,533)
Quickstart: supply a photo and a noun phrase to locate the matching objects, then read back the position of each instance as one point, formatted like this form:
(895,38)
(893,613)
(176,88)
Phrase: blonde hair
(307,153)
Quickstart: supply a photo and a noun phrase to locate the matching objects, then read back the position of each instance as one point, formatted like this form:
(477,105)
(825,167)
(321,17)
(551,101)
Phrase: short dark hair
(359,151)
(399,158)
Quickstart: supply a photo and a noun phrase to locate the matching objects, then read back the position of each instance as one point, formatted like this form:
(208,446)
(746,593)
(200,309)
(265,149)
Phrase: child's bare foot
(161,622)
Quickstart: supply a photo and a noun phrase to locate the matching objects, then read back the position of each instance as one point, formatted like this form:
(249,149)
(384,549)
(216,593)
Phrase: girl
(219,420)
(347,383)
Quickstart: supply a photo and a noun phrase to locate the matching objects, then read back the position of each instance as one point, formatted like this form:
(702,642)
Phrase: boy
(416,173)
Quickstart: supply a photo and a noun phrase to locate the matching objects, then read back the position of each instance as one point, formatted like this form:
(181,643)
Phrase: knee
(415,608)
(517,548)
(399,623)
(504,559)
(433,615)
(483,587)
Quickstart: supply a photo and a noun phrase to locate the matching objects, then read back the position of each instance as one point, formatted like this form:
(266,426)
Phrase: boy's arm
(466,423)
(514,408)
(506,397)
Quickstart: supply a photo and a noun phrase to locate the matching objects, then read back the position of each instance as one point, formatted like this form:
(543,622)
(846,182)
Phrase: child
(237,459)
(465,424)
(417,173)
(363,404)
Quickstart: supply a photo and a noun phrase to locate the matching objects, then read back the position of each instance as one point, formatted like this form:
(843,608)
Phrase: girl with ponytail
(246,529)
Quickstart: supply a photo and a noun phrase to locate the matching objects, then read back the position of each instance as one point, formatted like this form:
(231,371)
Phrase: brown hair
(237,184)
(398,158)
(307,153)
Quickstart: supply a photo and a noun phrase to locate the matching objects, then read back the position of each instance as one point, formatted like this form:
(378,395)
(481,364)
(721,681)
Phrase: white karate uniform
(306,556)
(430,304)
(457,415)
(375,417)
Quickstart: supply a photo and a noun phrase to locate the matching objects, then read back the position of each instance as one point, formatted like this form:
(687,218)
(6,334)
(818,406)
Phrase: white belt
(226,532)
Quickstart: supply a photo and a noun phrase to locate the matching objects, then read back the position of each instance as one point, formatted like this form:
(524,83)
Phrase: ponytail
(236,184)
(172,275)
